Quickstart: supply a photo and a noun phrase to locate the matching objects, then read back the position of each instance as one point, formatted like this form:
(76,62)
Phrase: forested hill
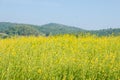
(18,29)
(106,32)
(27,29)
(9,29)
(54,28)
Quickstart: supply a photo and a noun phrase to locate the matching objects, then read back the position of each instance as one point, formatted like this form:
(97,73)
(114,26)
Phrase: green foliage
(51,29)
(3,35)
(4,26)
(55,29)
(12,29)
(106,32)
(22,30)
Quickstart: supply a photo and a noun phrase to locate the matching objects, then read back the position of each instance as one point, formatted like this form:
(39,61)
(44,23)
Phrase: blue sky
(86,14)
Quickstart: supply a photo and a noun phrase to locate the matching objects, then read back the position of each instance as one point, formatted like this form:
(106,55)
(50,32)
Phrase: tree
(22,30)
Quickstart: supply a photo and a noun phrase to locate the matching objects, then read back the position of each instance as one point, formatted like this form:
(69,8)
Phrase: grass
(60,58)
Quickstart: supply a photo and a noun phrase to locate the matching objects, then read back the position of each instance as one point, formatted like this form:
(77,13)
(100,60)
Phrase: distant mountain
(54,28)
(27,29)
(9,29)
(19,29)
(106,32)
(5,25)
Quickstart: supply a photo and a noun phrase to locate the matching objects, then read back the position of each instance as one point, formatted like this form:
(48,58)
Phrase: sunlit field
(60,58)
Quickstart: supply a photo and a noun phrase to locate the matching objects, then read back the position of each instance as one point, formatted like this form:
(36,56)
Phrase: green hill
(53,29)
(27,29)
(5,25)
(106,32)
(19,29)
(10,29)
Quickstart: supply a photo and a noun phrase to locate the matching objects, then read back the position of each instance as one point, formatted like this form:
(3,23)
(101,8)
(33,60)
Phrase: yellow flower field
(60,58)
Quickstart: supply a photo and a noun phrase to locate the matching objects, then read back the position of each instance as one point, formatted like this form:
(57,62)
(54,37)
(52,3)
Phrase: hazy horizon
(85,14)
(62,24)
